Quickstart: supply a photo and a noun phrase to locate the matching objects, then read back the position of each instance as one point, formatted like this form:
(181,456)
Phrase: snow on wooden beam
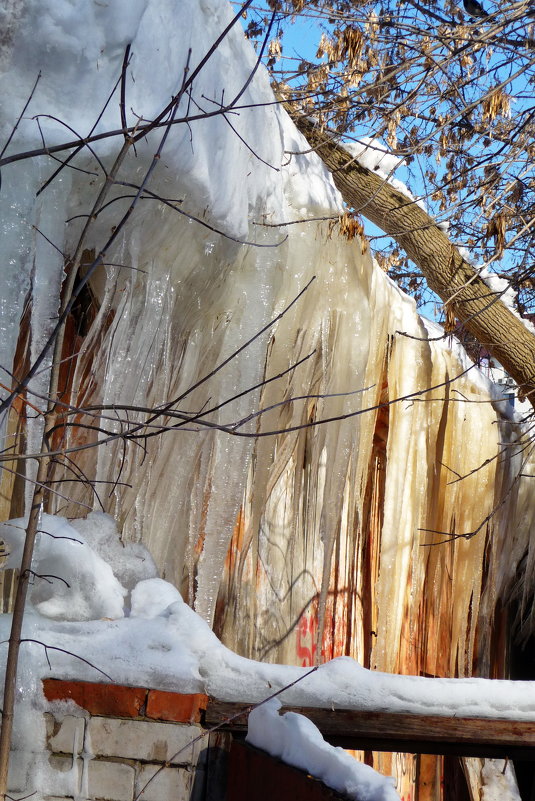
(384,731)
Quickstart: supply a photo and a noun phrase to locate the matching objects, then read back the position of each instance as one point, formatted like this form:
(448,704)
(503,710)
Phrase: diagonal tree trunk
(454,280)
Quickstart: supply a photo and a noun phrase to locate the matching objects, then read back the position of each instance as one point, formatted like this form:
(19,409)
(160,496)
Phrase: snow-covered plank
(383,731)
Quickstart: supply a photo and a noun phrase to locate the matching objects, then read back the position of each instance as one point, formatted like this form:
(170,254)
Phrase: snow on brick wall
(124,743)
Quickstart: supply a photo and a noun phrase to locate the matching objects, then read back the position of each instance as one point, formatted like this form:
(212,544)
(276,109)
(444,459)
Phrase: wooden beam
(387,731)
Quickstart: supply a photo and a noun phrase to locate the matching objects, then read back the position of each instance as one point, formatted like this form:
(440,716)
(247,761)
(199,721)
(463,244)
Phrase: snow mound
(131,561)
(76,587)
(152,597)
(70,580)
(298,742)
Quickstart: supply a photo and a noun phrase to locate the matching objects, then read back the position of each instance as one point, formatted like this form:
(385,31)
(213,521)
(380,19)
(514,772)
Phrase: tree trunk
(456,281)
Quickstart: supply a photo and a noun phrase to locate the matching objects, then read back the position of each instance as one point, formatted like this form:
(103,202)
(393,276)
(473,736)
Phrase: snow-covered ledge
(111,740)
(121,743)
(111,619)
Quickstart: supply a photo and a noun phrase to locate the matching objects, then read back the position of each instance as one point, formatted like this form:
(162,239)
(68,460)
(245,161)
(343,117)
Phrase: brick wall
(132,742)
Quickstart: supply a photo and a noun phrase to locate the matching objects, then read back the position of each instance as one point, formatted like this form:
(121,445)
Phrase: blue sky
(300,41)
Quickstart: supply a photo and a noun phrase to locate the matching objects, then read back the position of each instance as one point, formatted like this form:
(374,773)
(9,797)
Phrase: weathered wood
(387,731)
(256,776)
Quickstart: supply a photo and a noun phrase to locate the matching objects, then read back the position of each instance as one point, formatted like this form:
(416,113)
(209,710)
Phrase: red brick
(98,699)
(176,707)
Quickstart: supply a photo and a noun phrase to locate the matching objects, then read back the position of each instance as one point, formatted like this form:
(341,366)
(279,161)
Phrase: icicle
(17,201)
(47,278)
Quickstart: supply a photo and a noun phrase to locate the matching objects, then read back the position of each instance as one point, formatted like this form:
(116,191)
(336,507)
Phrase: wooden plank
(386,731)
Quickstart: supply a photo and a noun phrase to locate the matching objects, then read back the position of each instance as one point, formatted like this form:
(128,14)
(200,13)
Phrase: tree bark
(453,279)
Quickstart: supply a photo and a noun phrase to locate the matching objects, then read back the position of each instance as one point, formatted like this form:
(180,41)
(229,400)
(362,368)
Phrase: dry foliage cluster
(451,94)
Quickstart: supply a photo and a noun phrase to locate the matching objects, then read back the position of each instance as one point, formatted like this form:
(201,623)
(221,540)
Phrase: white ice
(164,644)
(498,781)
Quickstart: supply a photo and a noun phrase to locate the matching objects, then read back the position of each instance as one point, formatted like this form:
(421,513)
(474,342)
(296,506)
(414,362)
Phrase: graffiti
(306,640)
(405,769)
